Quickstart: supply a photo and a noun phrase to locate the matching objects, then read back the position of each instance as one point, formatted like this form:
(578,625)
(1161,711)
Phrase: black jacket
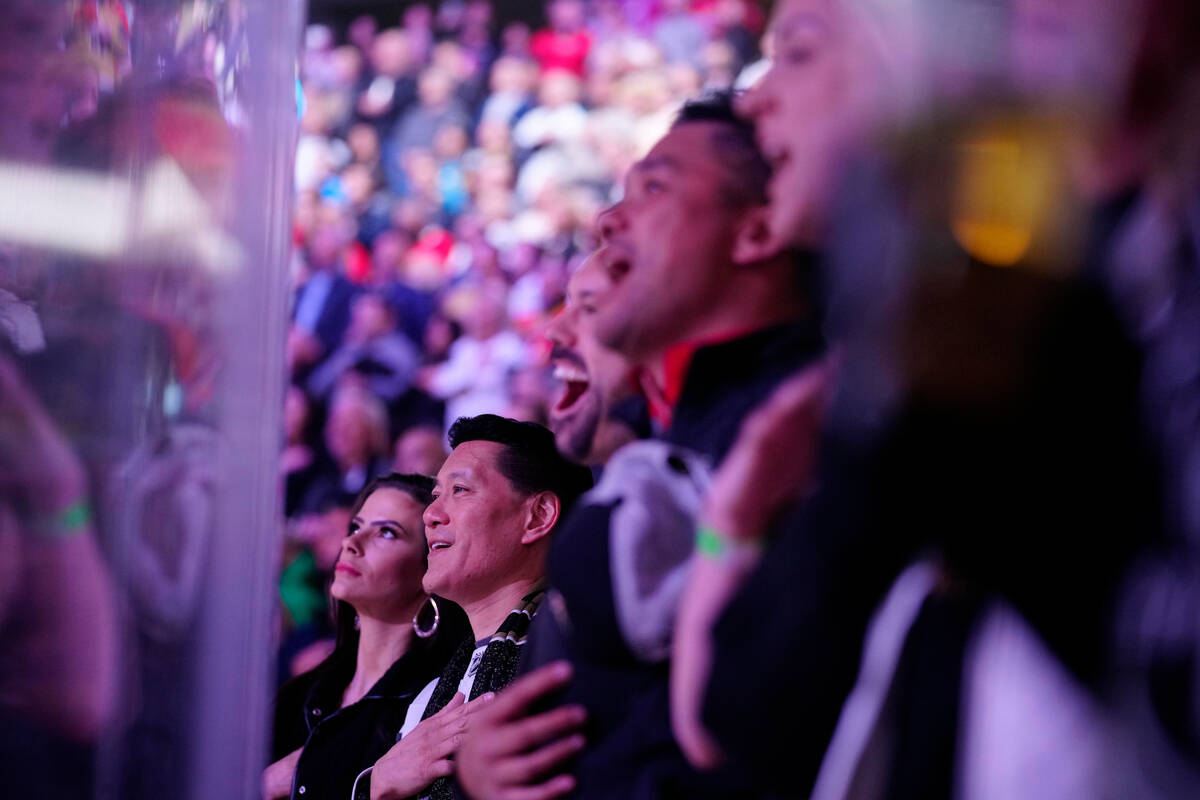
(1041,494)
(339,743)
(631,751)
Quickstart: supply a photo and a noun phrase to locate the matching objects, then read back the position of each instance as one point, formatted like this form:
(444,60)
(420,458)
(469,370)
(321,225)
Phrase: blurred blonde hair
(898,37)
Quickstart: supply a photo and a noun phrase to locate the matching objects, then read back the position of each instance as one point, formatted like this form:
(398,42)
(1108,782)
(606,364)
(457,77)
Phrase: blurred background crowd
(450,167)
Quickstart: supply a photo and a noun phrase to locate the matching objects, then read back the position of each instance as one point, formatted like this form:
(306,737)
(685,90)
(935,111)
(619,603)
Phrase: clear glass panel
(145,182)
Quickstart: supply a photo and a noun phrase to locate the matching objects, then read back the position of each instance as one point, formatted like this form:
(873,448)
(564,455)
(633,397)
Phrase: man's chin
(434,586)
(574,434)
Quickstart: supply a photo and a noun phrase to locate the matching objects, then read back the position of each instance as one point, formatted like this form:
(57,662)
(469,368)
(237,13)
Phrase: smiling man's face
(474,525)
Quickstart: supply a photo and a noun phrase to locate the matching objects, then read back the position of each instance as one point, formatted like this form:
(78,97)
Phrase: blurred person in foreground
(1140,172)
(498,499)
(59,639)
(983,480)
(687,285)
(825,92)
(392,637)
(58,618)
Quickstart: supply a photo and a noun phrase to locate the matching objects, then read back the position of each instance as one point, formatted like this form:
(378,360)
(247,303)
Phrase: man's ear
(543,514)
(753,241)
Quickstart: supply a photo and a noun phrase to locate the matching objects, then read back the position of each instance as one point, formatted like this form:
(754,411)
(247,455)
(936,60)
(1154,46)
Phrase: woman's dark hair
(419,487)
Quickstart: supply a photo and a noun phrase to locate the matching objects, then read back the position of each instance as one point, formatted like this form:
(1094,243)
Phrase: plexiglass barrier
(145,167)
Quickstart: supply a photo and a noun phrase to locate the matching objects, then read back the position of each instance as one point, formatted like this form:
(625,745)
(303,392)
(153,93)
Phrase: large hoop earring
(425,633)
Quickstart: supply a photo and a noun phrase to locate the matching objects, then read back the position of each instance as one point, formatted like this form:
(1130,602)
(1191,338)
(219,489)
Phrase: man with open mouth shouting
(599,409)
(689,287)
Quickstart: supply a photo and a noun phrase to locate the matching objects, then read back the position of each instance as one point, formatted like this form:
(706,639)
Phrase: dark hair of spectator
(530,460)
(419,487)
(734,146)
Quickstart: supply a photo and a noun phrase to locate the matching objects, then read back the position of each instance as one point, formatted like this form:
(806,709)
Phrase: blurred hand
(277,778)
(508,754)
(774,458)
(424,754)
(61,663)
(771,464)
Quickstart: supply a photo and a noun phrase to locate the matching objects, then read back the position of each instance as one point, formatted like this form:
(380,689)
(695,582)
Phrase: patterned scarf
(496,669)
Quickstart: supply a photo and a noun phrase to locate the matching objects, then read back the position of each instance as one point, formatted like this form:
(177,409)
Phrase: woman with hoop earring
(392,638)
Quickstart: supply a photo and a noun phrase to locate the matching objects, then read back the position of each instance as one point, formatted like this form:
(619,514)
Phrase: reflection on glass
(143,197)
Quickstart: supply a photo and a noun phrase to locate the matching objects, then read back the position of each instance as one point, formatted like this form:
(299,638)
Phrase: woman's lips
(347,569)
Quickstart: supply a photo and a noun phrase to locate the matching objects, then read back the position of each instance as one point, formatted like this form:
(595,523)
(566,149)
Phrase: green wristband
(64,524)
(714,545)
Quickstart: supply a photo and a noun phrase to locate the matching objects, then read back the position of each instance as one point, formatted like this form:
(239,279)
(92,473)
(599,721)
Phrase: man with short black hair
(689,285)
(498,497)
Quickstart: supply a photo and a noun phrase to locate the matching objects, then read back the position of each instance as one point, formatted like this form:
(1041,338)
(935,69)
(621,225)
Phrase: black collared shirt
(727,381)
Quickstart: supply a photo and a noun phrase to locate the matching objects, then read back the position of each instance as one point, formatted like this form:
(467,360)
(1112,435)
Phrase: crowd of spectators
(448,173)
(914,316)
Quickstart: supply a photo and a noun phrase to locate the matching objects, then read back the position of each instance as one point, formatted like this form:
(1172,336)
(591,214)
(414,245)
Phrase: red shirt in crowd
(560,50)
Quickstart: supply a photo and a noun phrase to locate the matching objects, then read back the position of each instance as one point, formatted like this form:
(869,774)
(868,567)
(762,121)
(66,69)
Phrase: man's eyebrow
(797,23)
(657,162)
(458,473)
